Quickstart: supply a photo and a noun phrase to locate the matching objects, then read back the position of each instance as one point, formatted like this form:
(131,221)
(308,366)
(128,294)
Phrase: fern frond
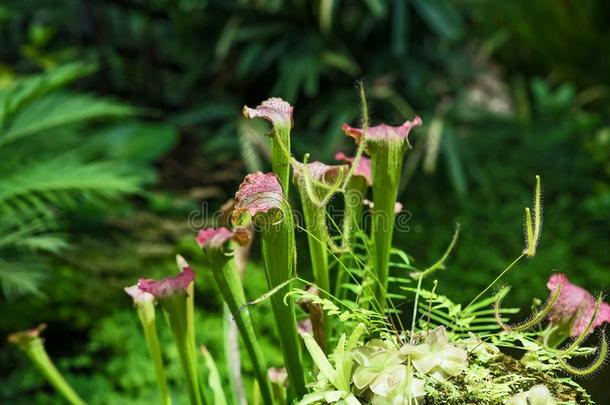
(62,179)
(26,89)
(19,277)
(438,310)
(22,232)
(343,311)
(56,110)
(57,170)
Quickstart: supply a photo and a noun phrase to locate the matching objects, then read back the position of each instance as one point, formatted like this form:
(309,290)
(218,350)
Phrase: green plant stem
(362,145)
(146,313)
(37,354)
(232,358)
(354,197)
(510,266)
(190,315)
(278,391)
(279,256)
(317,239)
(317,236)
(280,155)
(229,284)
(190,328)
(386,167)
(175,310)
(415,304)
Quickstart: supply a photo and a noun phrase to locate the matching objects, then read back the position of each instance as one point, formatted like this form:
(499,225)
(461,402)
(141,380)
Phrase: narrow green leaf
(442,16)
(214,381)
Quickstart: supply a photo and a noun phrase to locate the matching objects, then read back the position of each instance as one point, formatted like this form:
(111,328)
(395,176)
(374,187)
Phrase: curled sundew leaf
(585,332)
(537,395)
(383,133)
(575,307)
(596,364)
(537,317)
(274,110)
(259,193)
(363,169)
(168,286)
(22,338)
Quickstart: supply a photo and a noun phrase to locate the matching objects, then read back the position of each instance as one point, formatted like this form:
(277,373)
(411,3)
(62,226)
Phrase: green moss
(494,382)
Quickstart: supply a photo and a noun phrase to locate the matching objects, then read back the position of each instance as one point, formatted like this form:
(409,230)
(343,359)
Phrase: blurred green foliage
(48,164)
(507,90)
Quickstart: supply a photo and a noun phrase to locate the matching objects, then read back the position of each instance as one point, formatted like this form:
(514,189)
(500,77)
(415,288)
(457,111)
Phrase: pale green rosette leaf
(437,356)
(537,395)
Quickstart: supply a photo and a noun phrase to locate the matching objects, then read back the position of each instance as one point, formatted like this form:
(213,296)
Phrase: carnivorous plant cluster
(342,331)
